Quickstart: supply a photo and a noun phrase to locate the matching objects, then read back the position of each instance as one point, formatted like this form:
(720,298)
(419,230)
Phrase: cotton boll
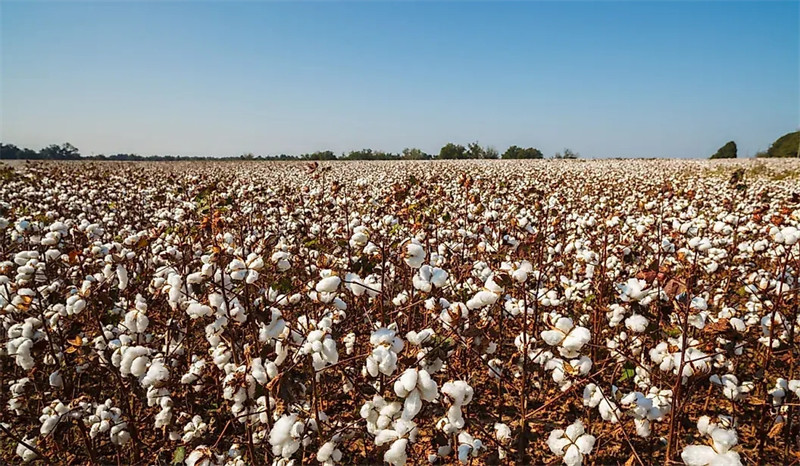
(55,379)
(328,284)
(414,255)
(636,323)
(23,452)
(396,454)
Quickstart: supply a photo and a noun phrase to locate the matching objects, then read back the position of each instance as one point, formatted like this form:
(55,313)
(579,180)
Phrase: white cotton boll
(396,454)
(136,321)
(552,337)
(406,383)
(328,453)
(259,372)
(354,283)
(636,323)
(200,456)
(55,379)
(23,452)
(723,439)
(157,372)
(197,310)
(481,299)
(414,255)
(738,324)
(698,455)
(75,304)
(122,276)
(328,284)
(284,436)
(502,432)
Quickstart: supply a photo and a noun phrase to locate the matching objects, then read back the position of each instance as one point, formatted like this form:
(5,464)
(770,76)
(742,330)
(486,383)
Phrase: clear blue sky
(674,79)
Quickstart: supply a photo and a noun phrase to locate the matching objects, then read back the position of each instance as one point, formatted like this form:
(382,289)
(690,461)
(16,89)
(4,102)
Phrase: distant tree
(728,151)
(491,153)
(787,145)
(9,152)
(320,155)
(247,156)
(452,151)
(65,151)
(475,151)
(568,154)
(515,152)
(414,154)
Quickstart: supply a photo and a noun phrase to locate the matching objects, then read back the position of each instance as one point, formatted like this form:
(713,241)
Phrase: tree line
(449,151)
(785,146)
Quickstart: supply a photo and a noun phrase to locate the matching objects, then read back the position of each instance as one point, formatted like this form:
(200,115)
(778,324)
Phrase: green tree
(475,151)
(491,153)
(568,154)
(65,151)
(728,151)
(515,152)
(785,146)
(320,155)
(414,154)
(452,151)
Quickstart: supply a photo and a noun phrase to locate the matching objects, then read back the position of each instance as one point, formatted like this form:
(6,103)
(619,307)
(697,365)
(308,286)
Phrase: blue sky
(671,79)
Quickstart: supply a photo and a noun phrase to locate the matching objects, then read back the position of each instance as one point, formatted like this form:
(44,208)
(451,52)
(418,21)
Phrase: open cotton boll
(481,299)
(328,284)
(571,444)
(415,385)
(157,372)
(197,310)
(414,254)
(285,435)
(636,323)
(200,456)
(354,283)
(122,277)
(719,453)
(24,452)
(396,454)
(55,379)
(328,454)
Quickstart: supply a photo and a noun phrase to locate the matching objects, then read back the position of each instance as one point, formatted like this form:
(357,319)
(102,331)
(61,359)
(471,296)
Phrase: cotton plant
(646,408)
(635,290)
(379,414)
(719,452)
(286,435)
(319,344)
(385,347)
(399,435)
(731,387)
(194,429)
(457,394)
(594,397)
(468,447)
(563,372)
(415,386)
(486,296)
(564,334)
(428,277)
(414,254)
(571,444)
(425,341)
(136,320)
(691,362)
(502,434)
(329,453)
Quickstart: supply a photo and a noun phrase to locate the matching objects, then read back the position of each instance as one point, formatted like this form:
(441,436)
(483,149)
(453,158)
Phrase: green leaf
(178,455)
(627,374)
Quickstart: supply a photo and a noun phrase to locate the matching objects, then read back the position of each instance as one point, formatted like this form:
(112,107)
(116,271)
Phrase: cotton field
(470,312)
